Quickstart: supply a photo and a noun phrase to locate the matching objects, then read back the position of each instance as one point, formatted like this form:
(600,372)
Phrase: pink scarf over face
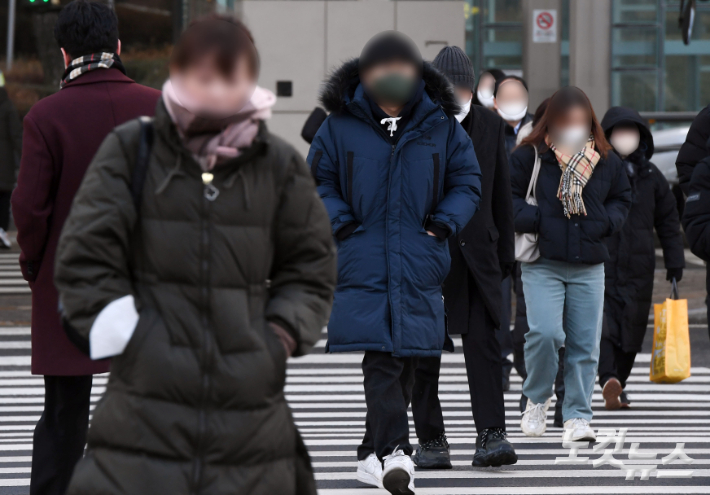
(212,141)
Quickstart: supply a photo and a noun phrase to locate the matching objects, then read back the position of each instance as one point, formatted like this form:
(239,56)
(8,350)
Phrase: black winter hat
(456,66)
(388,46)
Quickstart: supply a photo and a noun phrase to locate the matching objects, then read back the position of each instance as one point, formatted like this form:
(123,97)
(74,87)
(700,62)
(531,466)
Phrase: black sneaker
(625,401)
(493,449)
(433,454)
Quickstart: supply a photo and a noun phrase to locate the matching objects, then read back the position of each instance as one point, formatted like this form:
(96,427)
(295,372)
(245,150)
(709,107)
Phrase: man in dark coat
(480,254)
(694,152)
(10,151)
(696,216)
(399,176)
(62,133)
(629,270)
(511,100)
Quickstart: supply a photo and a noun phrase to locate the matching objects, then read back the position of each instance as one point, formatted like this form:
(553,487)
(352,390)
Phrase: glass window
(502,48)
(635,89)
(502,11)
(634,46)
(635,11)
(494,36)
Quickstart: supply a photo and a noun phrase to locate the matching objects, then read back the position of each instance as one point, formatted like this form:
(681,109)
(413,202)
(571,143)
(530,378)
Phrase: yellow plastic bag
(670,360)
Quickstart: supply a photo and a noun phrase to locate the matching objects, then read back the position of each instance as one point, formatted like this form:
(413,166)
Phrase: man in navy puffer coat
(396,186)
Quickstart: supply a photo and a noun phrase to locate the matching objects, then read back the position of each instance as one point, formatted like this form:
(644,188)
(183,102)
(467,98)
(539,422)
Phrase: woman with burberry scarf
(583,196)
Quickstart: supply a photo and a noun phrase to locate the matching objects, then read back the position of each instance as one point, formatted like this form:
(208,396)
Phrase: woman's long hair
(560,103)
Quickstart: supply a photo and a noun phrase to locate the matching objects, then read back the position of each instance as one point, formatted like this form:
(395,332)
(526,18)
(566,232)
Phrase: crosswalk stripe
(327,398)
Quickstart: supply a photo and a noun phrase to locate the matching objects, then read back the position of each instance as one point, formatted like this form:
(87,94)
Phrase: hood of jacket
(339,90)
(624,115)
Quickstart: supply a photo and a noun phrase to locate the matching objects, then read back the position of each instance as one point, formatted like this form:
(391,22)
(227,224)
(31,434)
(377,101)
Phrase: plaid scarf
(576,171)
(82,65)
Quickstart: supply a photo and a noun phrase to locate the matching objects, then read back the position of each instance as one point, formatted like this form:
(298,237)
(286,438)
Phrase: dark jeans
(483,367)
(60,434)
(503,334)
(388,392)
(614,362)
(5,209)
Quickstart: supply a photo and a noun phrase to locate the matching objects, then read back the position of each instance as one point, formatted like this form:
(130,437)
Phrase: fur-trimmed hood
(338,90)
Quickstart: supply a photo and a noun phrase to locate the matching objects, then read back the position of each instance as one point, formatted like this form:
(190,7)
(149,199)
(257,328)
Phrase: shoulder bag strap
(535,173)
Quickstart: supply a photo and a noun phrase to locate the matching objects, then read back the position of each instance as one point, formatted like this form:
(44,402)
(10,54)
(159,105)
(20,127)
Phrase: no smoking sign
(544,29)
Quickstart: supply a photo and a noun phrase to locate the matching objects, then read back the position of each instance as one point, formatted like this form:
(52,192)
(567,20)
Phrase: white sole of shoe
(368,479)
(584,438)
(397,482)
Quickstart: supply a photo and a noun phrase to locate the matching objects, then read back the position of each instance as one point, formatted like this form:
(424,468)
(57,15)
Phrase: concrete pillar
(541,60)
(590,50)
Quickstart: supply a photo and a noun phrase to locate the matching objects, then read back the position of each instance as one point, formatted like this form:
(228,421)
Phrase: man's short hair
(85,27)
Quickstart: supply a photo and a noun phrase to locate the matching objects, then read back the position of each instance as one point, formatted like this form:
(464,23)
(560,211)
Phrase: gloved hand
(506,269)
(676,273)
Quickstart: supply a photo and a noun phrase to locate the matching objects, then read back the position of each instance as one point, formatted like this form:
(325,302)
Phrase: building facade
(621,52)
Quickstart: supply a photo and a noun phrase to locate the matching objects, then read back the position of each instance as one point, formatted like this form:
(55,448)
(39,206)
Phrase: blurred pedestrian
(399,177)
(10,152)
(312,124)
(481,255)
(583,196)
(520,328)
(696,216)
(198,253)
(511,103)
(483,94)
(629,271)
(695,152)
(61,135)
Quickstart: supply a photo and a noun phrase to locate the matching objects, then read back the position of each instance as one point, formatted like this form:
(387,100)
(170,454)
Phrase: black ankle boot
(433,454)
(492,449)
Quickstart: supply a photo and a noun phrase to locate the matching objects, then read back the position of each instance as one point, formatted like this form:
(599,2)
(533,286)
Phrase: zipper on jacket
(435,196)
(350,173)
(208,196)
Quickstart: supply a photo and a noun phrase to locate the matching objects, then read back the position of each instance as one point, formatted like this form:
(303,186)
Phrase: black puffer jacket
(195,403)
(694,149)
(629,272)
(580,239)
(696,216)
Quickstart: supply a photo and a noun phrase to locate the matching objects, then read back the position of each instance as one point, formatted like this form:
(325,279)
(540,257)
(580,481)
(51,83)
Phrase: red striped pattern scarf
(576,171)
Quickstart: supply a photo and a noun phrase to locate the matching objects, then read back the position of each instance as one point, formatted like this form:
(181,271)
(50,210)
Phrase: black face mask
(393,88)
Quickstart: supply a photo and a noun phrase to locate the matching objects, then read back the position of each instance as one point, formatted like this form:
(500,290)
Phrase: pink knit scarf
(212,141)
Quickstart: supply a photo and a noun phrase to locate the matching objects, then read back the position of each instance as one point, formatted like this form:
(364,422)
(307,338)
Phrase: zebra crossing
(11,281)
(326,395)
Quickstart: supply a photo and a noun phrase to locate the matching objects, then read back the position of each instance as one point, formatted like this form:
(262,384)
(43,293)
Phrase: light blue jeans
(565,303)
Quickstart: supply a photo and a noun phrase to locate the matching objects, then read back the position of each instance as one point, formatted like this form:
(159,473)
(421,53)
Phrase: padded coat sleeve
(667,223)
(92,270)
(322,159)
(618,201)
(304,272)
(462,183)
(526,217)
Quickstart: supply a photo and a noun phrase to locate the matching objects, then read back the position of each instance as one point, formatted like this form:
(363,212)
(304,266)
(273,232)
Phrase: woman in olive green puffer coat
(203,288)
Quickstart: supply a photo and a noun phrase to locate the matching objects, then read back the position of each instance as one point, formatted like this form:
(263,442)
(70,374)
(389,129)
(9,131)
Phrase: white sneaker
(5,242)
(534,422)
(369,471)
(398,475)
(578,430)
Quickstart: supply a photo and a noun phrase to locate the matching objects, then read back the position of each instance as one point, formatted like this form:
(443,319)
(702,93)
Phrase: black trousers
(60,434)
(5,209)
(483,367)
(388,392)
(614,362)
(503,334)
